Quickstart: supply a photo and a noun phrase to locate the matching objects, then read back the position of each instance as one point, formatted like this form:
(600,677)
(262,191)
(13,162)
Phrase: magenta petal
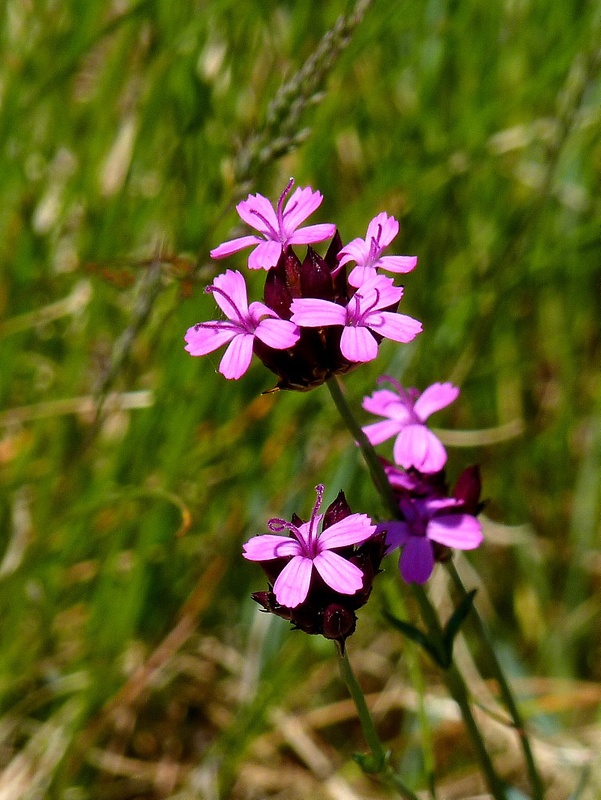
(312,233)
(456,530)
(418,447)
(417,560)
(301,204)
(234,245)
(386,403)
(253,208)
(383,229)
(379,432)
(315,313)
(378,292)
(292,585)
(232,284)
(398,327)
(201,340)
(435,397)
(358,344)
(357,250)
(355,529)
(269,546)
(338,573)
(277,333)
(360,275)
(265,255)
(236,359)
(401,264)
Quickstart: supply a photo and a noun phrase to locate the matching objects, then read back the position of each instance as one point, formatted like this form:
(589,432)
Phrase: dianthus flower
(244,324)
(363,316)
(406,412)
(348,556)
(367,253)
(428,521)
(279,228)
(309,549)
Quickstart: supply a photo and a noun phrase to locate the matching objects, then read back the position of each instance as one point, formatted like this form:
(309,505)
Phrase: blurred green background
(133,662)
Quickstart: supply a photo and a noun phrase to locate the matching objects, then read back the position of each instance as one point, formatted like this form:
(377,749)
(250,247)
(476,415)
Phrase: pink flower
(367,253)
(406,413)
(279,229)
(308,549)
(429,520)
(243,324)
(361,318)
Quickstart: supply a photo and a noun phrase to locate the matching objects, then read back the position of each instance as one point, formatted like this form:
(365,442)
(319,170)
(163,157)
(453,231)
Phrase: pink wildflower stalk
(244,323)
(309,549)
(406,412)
(367,253)
(426,521)
(361,318)
(278,228)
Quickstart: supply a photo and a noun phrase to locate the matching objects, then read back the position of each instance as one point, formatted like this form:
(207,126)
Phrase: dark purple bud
(338,622)
(315,277)
(336,511)
(468,488)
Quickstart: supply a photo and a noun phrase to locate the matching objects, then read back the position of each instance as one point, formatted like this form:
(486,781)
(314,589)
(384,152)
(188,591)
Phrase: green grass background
(126,137)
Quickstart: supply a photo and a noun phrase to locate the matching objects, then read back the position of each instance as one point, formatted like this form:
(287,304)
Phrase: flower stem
(538,789)
(380,766)
(453,679)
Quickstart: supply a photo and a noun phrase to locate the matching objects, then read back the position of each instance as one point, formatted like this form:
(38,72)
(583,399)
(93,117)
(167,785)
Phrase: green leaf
(419,637)
(454,624)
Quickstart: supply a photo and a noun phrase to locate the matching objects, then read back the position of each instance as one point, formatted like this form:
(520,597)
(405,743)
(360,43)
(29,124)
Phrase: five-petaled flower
(243,324)
(279,228)
(363,316)
(406,412)
(308,550)
(367,253)
(427,521)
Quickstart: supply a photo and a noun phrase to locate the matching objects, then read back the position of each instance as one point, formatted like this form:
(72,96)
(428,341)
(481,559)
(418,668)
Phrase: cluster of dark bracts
(315,322)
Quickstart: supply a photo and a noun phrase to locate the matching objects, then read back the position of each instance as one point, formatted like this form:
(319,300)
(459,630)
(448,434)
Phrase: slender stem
(379,755)
(369,454)
(538,789)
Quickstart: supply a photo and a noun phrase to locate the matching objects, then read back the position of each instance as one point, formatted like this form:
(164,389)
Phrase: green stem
(538,789)
(381,766)
(452,676)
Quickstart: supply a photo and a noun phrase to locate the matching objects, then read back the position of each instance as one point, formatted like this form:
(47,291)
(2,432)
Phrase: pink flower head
(361,318)
(278,228)
(427,521)
(308,549)
(367,253)
(406,413)
(244,323)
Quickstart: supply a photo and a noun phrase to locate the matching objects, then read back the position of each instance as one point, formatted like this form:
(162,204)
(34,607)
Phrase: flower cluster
(318,579)
(431,521)
(313,323)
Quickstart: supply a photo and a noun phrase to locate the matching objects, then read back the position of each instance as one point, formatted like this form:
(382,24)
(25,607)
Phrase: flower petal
(360,275)
(232,296)
(417,560)
(400,264)
(265,255)
(398,327)
(202,340)
(301,204)
(435,397)
(310,312)
(357,250)
(397,534)
(292,585)
(354,529)
(236,359)
(277,333)
(379,432)
(383,229)
(418,447)
(258,212)
(338,573)
(358,344)
(456,530)
(312,233)
(386,403)
(269,546)
(232,246)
